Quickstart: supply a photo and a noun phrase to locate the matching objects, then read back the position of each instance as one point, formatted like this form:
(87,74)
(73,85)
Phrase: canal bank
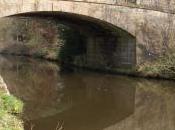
(10,109)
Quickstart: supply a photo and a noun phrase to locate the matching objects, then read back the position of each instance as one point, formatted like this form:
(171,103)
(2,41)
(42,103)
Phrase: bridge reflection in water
(85,100)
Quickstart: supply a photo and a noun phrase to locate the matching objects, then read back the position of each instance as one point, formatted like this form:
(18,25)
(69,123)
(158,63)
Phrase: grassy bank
(163,67)
(10,108)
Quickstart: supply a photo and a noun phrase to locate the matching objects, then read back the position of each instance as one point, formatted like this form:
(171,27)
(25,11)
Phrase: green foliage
(10,105)
(164,66)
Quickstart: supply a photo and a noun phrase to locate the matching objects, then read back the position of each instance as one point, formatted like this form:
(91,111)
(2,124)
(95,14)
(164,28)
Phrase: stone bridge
(150,22)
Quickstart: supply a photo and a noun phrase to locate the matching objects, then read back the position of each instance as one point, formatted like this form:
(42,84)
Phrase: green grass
(164,66)
(10,107)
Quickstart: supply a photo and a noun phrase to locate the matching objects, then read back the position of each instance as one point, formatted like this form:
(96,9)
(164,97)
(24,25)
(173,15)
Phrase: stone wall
(160,5)
(110,52)
(3,86)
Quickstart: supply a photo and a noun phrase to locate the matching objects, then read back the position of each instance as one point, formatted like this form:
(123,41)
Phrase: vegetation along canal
(82,100)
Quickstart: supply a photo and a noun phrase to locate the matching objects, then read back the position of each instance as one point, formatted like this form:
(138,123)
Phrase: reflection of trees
(26,79)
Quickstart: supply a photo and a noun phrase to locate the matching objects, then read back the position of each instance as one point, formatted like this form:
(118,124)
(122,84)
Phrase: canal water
(82,100)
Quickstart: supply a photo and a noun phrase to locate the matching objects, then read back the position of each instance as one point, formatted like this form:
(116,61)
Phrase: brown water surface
(81,100)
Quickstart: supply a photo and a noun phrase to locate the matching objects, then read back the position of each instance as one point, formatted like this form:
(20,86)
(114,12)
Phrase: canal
(83,100)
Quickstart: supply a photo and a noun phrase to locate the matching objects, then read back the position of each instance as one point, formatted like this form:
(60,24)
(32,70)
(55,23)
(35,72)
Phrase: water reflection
(87,101)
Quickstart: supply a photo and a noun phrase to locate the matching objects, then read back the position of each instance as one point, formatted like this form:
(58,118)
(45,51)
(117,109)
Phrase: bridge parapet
(158,5)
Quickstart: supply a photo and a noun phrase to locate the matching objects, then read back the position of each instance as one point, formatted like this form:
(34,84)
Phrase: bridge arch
(107,46)
(101,19)
(114,15)
(142,22)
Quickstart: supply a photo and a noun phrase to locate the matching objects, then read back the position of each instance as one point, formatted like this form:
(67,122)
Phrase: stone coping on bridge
(167,6)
